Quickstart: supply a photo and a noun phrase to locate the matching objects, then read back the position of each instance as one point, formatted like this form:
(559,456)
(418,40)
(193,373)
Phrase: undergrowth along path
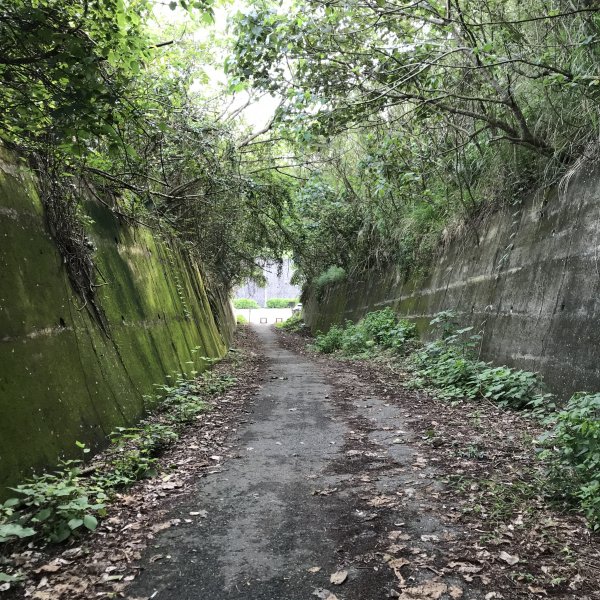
(510,538)
(316,477)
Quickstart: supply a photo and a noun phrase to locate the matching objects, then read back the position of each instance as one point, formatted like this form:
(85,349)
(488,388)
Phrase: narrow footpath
(317,485)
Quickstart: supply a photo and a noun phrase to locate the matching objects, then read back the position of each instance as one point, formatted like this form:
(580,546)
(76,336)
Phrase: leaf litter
(104,563)
(507,536)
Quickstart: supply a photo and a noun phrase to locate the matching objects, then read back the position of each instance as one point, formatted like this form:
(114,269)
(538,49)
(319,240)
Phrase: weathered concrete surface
(531,286)
(298,494)
(61,378)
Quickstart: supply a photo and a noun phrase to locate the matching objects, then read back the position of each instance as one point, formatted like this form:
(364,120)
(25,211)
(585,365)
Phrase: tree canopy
(399,124)
(424,114)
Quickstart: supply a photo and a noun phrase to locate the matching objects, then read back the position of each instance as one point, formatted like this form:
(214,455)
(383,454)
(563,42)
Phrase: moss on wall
(61,378)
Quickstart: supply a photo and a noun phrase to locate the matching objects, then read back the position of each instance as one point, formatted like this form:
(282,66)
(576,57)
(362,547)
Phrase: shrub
(245,303)
(332,275)
(572,454)
(331,341)
(449,365)
(294,324)
(241,320)
(282,302)
(386,330)
(355,340)
(379,328)
(53,505)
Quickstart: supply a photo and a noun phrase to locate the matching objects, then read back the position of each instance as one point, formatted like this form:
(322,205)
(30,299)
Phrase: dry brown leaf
(380,501)
(52,567)
(430,589)
(314,569)
(160,526)
(537,590)
(324,492)
(324,594)
(338,577)
(462,567)
(508,558)
(396,565)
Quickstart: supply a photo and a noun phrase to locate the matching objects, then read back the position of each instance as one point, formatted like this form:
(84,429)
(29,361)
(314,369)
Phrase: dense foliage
(449,364)
(281,302)
(379,329)
(422,115)
(245,303)
(108,100)
(572,453)
(295,324)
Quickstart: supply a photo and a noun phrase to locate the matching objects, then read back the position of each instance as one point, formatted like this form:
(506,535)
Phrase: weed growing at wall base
(571,451)
(449,365)
(380,329)
(294,324)
(54,506)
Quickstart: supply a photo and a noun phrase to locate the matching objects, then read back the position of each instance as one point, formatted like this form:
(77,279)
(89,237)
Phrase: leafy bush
(331,341)
(355,340)
(53,505)
(241,320)
(449,364)
(245,303)
(294,324)
(282,302)
(384,327)
(572,453)
(379,328)
(333,274)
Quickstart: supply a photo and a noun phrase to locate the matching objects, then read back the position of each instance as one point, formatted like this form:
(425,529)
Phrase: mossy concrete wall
(531,286)
(61,378)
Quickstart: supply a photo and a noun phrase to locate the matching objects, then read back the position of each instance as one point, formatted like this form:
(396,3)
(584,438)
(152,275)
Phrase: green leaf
(43,514)
(90,522)
(9,530)
(75,523)
(6,578)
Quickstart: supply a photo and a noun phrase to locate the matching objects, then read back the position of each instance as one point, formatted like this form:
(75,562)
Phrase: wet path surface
(316,480)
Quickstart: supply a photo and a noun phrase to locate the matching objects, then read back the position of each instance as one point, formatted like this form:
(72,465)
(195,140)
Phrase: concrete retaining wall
(61,378)
(531,286)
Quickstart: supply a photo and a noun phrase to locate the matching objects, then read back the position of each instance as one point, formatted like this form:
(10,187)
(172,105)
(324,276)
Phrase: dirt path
(315,480)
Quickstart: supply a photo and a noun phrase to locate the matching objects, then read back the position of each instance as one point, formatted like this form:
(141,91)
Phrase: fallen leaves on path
(338,577)
(508,558)
(324,594)
(103,564)
(483,465)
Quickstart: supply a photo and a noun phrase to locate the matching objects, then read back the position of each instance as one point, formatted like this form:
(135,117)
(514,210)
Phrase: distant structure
(277,287)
